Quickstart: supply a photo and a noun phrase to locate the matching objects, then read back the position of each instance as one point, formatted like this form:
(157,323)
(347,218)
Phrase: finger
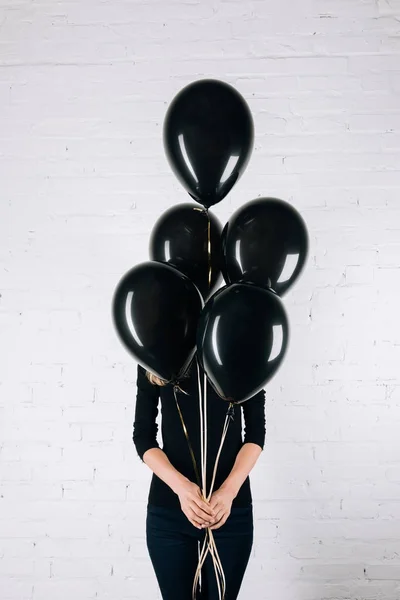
(205,508)
(193,518)
(217,508)
(201,497)
(219,523)
(199,510)
(204,504)
(195,523)
(215,500)
(192,522)
(201,516)
(199,521)
(219,515)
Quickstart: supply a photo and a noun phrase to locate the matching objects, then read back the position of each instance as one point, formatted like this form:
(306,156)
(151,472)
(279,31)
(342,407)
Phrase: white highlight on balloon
(288,267)
(237,254)
(186,156)
(167,250)
(277,333)
(230,165)
(214,340)
(128,318)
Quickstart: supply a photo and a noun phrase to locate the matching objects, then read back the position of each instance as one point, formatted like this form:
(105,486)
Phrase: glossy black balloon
(265,242)
(180,238)
(242,339)
(208,138)
(155,312)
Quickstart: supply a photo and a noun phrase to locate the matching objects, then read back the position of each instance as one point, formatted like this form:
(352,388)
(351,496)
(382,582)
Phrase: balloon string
(216,569)
(202,558)
(205,210)
(217,565)
(202,439)
(203,446)
(209,544)
(225,430)
(212,547)
(187,439)
(205,437)
(209,248)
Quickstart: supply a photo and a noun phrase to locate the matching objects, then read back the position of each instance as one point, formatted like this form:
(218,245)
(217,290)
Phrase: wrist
(231,487)
(177,482)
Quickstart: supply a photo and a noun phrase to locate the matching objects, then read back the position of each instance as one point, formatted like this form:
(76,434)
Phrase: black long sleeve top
(175,445)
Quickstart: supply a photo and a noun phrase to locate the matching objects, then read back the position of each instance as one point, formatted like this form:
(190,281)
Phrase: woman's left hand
(221,502)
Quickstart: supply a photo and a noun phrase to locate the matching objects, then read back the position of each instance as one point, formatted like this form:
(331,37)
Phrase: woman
(177,515)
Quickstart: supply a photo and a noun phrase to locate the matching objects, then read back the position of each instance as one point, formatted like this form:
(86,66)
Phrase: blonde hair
(155,380)
(162,382)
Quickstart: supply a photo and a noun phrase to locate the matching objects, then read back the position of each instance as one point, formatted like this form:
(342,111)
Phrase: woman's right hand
(196,509)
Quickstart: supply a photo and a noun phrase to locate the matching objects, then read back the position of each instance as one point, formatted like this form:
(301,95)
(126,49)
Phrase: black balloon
(242,339)
(181,238)
(265,242)
(208,138)
(156,311)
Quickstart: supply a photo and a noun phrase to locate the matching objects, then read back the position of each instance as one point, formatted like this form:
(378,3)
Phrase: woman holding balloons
(207,365)
(177,513)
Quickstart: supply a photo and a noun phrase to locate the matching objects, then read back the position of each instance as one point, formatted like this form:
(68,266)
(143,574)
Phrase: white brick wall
(84,86)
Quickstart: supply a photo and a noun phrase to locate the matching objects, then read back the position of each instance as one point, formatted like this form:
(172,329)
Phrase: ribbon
(196,471)
(209,248)
(208,242)
(209,544)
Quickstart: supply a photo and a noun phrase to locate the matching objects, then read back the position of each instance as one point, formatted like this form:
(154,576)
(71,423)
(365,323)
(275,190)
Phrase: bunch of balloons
(169,307)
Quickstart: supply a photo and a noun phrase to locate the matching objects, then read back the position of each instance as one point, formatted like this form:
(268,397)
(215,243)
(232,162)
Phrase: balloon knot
(177,388)
(231,412)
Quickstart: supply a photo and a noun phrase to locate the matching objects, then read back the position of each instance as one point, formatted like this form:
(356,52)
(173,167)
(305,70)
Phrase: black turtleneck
(174,441)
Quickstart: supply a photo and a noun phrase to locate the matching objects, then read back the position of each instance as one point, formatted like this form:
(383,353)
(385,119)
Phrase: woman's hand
(221,502)
(196,509)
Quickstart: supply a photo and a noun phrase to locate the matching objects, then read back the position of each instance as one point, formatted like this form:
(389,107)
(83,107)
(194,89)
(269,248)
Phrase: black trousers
(173,544)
